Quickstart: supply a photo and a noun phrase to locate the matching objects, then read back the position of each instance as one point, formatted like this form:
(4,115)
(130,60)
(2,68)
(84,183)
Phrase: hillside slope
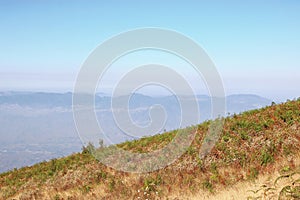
(255,145)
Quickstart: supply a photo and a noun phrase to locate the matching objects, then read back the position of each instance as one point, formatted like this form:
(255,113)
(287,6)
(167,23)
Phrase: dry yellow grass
(238,191)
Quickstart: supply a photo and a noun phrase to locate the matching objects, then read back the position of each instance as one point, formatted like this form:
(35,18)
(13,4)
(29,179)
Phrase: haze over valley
(38,126)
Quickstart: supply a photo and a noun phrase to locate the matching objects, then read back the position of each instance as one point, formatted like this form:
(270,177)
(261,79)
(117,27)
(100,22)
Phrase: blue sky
(254,44)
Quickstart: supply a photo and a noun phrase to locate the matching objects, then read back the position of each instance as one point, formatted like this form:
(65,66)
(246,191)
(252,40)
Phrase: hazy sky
(255,44)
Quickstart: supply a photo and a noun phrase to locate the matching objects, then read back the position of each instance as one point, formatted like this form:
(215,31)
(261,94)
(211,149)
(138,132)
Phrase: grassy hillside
(255,145)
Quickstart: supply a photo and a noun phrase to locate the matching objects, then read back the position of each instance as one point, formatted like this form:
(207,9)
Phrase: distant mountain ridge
(37,99)
(50,100)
